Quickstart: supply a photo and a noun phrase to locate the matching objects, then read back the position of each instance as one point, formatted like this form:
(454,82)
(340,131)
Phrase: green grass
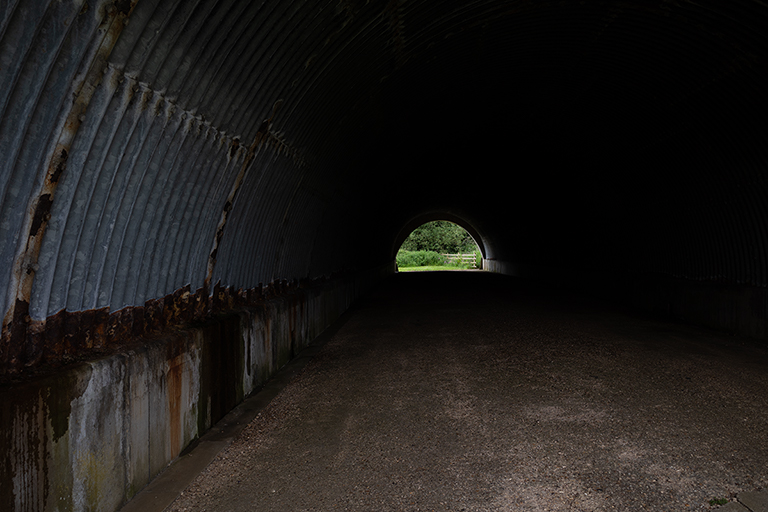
(429,268)
(418,258)
(718,501)
(410,261)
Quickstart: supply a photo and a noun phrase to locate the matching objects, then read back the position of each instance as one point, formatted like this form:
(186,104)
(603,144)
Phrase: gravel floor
(470,391)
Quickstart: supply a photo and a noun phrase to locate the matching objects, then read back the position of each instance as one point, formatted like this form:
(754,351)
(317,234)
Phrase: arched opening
(419,220)
(439,245)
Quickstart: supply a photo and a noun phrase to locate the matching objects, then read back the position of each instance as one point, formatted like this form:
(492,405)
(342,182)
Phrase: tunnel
(191,191)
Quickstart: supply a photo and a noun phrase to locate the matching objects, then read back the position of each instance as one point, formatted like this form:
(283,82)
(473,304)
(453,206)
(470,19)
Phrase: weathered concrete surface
(471,391)
(755,501)
(93,435)
(733,506)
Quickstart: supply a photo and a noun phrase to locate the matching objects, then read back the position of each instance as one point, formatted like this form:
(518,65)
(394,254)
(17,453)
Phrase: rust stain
(263,135)
(173,388)
(42,347)
(13,342)
(234,147)
(59,169)
(42,214)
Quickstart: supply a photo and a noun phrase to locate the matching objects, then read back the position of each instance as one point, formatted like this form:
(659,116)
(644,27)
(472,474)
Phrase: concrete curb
(748,502)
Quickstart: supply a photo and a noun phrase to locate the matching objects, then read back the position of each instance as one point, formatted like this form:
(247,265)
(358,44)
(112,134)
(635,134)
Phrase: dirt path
(468,391)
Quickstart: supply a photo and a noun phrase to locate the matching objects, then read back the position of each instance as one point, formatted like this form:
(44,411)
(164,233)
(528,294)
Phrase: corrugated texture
(150,146)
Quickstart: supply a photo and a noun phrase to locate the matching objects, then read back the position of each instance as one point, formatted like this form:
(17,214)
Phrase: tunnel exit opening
(439,245)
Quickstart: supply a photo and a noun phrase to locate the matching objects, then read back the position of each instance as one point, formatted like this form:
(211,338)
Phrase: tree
(439,236)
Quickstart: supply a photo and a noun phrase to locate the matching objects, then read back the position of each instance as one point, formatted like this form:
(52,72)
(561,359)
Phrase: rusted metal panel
(33,226)
(70,336)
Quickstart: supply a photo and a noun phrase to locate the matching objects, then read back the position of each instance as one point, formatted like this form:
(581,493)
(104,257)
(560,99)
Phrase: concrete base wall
(737,309)
(92,436)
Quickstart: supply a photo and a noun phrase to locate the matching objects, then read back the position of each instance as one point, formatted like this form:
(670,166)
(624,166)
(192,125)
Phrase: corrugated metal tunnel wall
(163,161)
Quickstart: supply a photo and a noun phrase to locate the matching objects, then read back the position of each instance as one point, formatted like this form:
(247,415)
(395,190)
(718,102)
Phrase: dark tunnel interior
(167,162)
(152,147)
(156,147)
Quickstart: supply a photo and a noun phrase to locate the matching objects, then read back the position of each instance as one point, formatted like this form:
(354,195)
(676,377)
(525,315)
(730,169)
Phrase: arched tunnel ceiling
(150,146)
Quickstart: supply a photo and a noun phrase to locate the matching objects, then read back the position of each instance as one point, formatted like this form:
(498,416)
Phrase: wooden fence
(468,258)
